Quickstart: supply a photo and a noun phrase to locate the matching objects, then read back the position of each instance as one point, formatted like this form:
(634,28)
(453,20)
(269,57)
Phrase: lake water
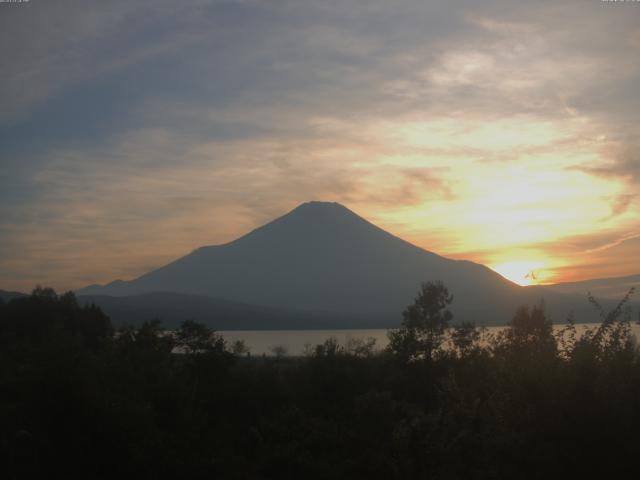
(295,342)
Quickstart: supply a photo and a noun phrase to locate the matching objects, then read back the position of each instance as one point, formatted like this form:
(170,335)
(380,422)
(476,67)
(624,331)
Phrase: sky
(132,132)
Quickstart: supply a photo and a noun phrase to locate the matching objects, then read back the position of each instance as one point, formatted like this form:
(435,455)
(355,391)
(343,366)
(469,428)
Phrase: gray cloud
(188,116)
(621,205)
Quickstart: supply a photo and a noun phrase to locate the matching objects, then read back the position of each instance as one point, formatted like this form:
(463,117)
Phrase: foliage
(239,347)
(423,324)
(44,314)
(197,338)
(465,338)
(78,400)
(529,336)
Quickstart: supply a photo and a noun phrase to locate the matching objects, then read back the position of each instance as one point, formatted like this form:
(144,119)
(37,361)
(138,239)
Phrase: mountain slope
(5,295)
(323,257)
(173,308)
(613,288)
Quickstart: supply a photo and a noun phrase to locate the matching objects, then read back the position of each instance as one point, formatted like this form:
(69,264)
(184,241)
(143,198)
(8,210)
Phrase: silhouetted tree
(464,338)
(239,347)
(528,339)
(150,338)
(132,405)
(424,323)
(360,347)
(330,348)
(278,351)
(196,338)
(44,315)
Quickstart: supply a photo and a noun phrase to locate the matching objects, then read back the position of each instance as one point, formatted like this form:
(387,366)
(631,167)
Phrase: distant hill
(5,295)
(612,288)
(322,257)
(173,308)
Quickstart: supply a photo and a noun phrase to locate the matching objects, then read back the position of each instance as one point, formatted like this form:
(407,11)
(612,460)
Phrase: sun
(521,272)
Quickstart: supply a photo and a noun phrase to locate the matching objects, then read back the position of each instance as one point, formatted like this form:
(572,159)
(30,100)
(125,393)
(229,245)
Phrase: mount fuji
(322,259)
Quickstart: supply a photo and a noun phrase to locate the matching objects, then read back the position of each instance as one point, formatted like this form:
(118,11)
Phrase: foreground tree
(196,338)
(424,324)
(490,406)
(465,338)
(528,341)
(44,315)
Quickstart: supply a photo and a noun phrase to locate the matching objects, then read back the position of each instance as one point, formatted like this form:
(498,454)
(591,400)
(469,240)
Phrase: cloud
(621,205)
(618,241)
(161,126)
(620,162)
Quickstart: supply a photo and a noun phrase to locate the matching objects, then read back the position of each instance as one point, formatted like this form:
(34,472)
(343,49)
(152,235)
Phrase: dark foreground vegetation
(78,400)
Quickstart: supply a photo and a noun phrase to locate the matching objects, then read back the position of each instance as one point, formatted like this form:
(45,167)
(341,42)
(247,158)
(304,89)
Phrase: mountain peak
(319,204)
(311,220)
(316,206)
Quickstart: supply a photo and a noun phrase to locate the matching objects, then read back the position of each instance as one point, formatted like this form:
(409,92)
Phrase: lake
(295,341)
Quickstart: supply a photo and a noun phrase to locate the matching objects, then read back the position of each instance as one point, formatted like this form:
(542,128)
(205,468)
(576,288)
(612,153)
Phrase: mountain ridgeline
(322,261)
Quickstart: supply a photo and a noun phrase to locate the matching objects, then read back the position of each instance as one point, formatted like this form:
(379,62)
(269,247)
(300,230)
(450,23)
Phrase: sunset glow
(319,239)
(522,273)
(511,143)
